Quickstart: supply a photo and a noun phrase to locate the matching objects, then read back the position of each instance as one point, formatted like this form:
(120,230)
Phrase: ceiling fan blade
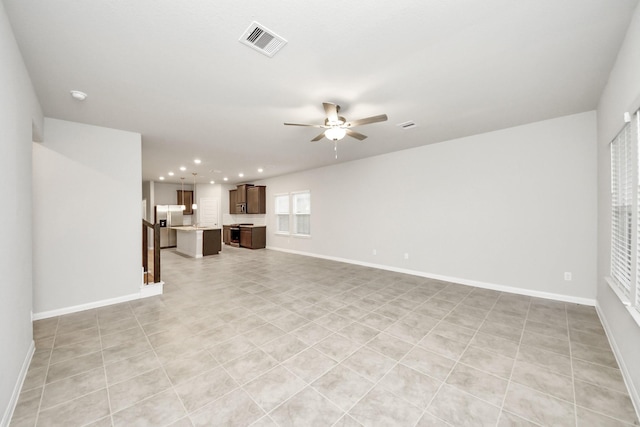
(331,110)
(318,138)
(302,124)
(368,120)
(356,135)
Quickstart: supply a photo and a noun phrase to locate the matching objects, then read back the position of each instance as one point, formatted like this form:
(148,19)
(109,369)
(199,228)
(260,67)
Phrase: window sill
(616,290)
(298,236)
(633,311)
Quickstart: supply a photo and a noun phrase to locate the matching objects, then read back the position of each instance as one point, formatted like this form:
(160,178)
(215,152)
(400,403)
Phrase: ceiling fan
(337,126)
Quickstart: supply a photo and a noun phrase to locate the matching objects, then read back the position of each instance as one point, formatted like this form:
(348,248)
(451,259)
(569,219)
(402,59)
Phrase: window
(295,221)
(282,213)
(302,213)
(625,215)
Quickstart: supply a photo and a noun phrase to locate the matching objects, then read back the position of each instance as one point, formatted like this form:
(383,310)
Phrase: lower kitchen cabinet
(226,234)
(211,242)
(253,237)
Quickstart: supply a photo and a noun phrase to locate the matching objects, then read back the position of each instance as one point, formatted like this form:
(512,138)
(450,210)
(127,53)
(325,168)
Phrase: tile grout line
(339,363)
(515,360)
(248,299)
(573,374)
(163,370)
(457,361)
(397,362)
(104,370)
(422,411)
(44,383)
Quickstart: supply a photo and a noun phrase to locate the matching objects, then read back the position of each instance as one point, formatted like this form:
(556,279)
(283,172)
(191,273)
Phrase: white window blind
(282,213)
(634,135)
(625,216)
(302,213)
(293,213)
(623,170)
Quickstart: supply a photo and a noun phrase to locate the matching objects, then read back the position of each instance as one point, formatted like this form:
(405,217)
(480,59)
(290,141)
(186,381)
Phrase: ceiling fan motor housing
(341,121)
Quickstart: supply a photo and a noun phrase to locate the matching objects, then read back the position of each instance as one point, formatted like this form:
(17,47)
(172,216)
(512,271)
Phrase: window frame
(278,213)
(295,214)
(292,214)
(624,274)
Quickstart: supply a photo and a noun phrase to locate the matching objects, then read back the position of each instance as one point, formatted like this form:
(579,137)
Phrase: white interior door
(209,212)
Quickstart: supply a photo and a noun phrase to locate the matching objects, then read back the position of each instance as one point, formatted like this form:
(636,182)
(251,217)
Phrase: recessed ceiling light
(197,161)
(212,182)
(240,174)
(182,168)
(170,173)
(260,170)
(80,96)
(162,178)
(225,179)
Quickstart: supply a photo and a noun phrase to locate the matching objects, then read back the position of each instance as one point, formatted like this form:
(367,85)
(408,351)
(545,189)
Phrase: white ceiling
(175,72)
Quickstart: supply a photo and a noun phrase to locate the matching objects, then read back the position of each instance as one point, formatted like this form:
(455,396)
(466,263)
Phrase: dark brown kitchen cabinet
(253,237)
(241,195)
(211,242)
(232,201)
(226,234)
(256,200)
(187,201)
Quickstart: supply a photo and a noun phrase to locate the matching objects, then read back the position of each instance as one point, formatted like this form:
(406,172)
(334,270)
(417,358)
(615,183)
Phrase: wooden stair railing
(156,250)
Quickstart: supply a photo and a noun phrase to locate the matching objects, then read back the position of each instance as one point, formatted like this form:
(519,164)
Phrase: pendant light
(194,205)
(182,206)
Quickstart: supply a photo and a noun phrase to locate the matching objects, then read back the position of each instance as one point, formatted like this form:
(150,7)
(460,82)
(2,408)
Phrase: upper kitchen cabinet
(241,195)
(256,200)
(248,199)
(232,201)
(185,197)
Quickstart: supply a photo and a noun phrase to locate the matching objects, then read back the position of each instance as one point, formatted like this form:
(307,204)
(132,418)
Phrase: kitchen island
(197,242)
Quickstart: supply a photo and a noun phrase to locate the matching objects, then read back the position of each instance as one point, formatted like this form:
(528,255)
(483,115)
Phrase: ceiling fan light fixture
(335,133)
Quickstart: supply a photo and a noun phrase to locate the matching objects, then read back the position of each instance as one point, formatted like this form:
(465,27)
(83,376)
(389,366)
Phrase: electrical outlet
(567,276)
(375,252)
(406,256)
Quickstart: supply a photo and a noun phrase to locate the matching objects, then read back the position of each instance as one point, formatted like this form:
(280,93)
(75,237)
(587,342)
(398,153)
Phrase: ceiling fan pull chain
(335,148)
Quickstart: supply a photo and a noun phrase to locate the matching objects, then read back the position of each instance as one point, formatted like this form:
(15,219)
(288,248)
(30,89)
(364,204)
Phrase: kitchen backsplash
(244,218)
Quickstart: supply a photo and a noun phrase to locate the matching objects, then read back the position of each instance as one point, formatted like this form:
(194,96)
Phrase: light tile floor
(264,338)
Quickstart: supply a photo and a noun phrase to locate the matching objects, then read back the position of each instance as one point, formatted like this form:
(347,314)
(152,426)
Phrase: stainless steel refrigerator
(168,216)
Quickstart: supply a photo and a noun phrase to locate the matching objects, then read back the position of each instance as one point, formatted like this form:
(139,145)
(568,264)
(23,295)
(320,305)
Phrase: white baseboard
(458,280)
(11,407)
(634,393)
(151,290)
(145,292)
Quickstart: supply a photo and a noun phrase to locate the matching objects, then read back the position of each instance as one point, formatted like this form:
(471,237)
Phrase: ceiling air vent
(407,125)
(262,39)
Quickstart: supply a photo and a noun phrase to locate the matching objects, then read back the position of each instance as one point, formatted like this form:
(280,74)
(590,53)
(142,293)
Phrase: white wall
(166,193)
(514,208)
(148,194)
(86,222)
(19,111)
(621,94)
